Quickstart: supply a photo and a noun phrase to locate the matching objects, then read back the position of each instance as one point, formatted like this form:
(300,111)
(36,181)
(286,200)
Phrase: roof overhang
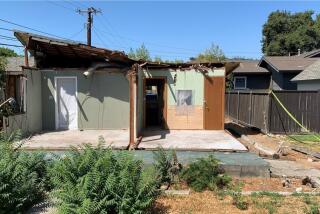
(68,48)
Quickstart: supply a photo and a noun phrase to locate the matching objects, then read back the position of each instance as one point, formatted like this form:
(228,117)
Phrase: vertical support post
(238,106)
(131,125)
(229,103)
(26,58)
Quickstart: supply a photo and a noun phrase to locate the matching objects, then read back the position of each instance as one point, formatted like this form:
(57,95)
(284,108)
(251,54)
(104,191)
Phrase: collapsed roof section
(59,53)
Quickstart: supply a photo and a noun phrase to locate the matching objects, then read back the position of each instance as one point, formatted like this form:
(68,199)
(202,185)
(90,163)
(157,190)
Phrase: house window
(240,82)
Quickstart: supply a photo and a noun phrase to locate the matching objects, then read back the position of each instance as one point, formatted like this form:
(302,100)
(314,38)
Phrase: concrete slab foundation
(199,140)
(187,140)
(62,140)
(237,164)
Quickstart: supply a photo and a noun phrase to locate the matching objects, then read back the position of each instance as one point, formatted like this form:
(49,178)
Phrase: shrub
(23,180)
(166,166)
(237,198)
(96,180)
(205,173)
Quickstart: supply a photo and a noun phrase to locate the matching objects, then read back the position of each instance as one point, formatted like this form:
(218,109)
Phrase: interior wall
(185,80)
(103,99)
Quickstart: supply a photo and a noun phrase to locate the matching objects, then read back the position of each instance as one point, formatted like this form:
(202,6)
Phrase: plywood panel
(214,103)
(193,120)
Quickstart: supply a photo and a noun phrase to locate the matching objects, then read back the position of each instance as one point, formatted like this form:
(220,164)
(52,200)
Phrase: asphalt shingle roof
(249,66)
(312,72)
(290,63)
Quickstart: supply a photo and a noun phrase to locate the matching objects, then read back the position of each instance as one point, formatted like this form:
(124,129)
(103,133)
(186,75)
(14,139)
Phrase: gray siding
(103,100)
(282,80)
(308,85)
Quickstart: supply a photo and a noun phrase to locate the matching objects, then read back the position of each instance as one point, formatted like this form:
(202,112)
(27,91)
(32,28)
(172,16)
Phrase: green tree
(6,52)
(284,33)
(212,54)
(157,59)
(140,53)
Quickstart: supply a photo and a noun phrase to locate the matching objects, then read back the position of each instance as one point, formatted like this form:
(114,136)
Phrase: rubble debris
(286,182)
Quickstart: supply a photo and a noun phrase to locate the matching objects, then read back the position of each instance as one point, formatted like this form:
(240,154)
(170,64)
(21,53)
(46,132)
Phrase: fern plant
(167,166)
(23,180)
(205,173)
(96,180)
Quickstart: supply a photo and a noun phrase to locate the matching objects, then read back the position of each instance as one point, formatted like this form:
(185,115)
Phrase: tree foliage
(141,53)
(96,180)
(284,33)
(212,54)
(7,52)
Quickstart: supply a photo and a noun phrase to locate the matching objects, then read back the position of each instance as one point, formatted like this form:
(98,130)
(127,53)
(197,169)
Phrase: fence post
(229,103)
(250,108)
(238,106)
(268,113)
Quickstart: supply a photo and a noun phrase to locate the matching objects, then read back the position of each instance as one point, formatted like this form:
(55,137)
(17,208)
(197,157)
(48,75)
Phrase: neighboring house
(309,78)
(284,68)
(248,75)
(272,72)
(76,86)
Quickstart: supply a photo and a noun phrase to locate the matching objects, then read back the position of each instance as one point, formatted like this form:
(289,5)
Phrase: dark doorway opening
(155,103)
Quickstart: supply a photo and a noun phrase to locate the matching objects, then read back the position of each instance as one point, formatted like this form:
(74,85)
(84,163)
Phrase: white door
(66,105)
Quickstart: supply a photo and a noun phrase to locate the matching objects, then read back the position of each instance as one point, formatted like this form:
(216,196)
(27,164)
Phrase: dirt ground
(272,185)
(209,202)
(272,142)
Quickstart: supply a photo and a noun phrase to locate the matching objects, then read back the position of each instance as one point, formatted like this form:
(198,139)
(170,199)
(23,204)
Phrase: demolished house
(76,86)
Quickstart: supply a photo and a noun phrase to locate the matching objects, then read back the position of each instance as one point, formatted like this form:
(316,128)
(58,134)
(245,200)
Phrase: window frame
(240,77)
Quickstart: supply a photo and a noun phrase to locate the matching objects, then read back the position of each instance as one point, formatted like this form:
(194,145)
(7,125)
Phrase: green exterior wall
(31,120)
(185,80)
(103,99)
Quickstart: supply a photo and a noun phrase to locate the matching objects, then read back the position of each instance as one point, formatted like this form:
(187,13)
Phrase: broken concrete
(280,168)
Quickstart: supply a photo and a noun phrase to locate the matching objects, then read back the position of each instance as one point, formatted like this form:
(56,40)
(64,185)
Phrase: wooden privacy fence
(259,109)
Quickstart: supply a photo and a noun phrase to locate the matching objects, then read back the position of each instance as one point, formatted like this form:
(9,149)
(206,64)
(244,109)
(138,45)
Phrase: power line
(77,33)
(8,37)
(1,28)
(115,39)
(39,31)
(18,46)
(59,5)
(96,33)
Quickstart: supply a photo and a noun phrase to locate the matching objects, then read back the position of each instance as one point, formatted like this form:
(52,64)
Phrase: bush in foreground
(166,166)
(23,179)
(205,173)
(96,180)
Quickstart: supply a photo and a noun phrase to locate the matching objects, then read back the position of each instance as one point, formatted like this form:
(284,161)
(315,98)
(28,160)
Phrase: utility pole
(90,11)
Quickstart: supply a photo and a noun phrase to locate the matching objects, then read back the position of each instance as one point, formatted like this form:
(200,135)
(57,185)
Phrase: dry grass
(209,202)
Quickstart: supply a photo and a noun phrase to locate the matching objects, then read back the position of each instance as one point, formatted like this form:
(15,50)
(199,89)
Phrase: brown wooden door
(214,89)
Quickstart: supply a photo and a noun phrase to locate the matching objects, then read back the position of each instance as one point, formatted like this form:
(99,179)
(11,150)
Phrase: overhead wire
(29,28)
(59,5)
(18,46)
